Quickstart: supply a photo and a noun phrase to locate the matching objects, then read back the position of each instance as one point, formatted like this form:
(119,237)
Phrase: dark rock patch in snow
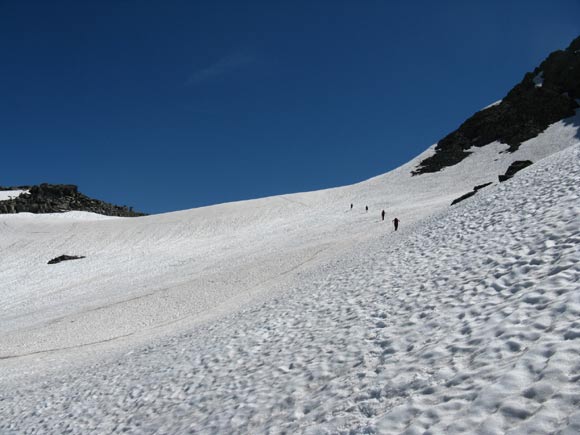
(481,186)
(527,110)
(470,194)
(515,167)
(462,197)
(65,258)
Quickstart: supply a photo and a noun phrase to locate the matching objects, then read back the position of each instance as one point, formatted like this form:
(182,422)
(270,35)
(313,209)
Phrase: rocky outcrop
(481,186)
(515,167)
(470,194)
(462,197)
(546,95)
(57,198)
(65,258)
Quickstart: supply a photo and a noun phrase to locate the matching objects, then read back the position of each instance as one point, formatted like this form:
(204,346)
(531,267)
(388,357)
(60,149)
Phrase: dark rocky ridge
(526,111)
(57,198)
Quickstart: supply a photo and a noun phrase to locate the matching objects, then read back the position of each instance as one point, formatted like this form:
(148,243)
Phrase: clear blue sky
(167,105)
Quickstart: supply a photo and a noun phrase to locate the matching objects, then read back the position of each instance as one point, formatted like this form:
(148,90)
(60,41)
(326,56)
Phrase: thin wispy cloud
(226,65)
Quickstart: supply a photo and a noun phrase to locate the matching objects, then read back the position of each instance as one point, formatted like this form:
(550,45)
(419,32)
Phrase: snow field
(148,276)
(465,323)
(10,194)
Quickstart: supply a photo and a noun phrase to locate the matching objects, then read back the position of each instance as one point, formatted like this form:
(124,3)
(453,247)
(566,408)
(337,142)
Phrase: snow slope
(295,314)
(10,194)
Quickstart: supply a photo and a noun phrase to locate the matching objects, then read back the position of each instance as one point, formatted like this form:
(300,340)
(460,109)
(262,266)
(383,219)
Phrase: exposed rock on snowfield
(481,186)
(470,194)
(57,198)
(62,258)
(513,169)
(463,197)
(526,111)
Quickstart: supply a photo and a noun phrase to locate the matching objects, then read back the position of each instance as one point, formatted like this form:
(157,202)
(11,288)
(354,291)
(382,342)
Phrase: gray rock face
(544,96)
(57,198)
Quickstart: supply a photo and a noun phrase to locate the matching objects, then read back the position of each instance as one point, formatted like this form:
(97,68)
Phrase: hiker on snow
(383,215)
(396,222)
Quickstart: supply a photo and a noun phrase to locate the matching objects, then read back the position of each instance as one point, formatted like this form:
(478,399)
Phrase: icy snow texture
(299,315)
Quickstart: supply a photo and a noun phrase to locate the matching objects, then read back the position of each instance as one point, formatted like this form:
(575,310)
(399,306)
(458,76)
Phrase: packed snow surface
(297,314)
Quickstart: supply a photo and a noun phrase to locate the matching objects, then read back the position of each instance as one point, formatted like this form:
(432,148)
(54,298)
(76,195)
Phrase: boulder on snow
(515,167)
(65,258)
(462,197)
(470,194)
(481,186)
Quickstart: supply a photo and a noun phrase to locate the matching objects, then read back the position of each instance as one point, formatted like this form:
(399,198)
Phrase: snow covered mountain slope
(177,269)
(464,321)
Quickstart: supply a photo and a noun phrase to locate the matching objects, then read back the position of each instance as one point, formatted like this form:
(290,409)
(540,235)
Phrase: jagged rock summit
(548,94)
(58,198)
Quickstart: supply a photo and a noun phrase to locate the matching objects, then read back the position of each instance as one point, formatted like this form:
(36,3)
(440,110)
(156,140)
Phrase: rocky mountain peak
(546,95)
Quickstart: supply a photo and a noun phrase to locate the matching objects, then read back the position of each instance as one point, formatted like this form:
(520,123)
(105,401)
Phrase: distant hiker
(396,222)
(351,206)
(383,215)
(366,208)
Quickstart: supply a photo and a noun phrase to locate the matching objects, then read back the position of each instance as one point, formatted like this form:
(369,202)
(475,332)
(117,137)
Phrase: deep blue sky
(168,105)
